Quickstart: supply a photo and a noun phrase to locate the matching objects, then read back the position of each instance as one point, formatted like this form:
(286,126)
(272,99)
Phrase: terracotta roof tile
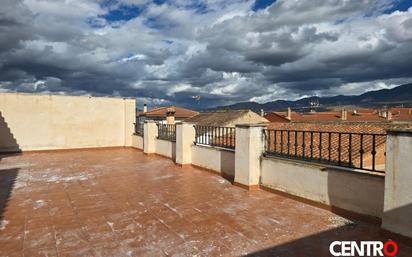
(161,112)
(222,117)
(361,115)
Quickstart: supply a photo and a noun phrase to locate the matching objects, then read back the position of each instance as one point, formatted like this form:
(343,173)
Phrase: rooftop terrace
(120,202)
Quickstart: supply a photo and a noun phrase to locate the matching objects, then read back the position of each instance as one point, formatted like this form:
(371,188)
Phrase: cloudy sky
(203,53)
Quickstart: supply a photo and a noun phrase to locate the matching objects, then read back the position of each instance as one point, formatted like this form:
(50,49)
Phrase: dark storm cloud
(210,53)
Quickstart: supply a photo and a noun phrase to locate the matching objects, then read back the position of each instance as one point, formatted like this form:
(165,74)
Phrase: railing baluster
(288,143)
(208,135)
(339,147)
(335,151)
(296,143)
(203,134)
(373,152)
(220,136)
(361,151)
(303,144)
(329,145)
(350,149)
(311,144)
(320,146)
(226,138)
(281,141)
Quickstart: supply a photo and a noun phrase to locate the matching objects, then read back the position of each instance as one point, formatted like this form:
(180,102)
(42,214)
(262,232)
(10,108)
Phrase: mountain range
(398,96)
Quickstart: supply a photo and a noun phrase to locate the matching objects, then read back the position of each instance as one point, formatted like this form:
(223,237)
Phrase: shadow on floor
(227,165)
(317,245)
(8,143)
(7,181)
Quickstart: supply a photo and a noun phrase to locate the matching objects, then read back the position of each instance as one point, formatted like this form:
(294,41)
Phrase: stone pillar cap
(251,125)
(399,130)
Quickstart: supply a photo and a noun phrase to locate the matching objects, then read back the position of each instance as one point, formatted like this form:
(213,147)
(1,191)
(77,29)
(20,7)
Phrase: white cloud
(218,50)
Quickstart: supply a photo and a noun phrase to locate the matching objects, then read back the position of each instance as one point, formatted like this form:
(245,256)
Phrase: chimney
(344,115)
(289,114)
(389,116)
(262,112)
(170,116)
(410,111)
(144,108)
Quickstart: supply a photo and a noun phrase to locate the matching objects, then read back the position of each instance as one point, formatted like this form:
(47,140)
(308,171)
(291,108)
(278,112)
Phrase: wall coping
(185,123)
(215,148)
(79,96)
(400,131)
(252,125)
(172,142)
(326,167)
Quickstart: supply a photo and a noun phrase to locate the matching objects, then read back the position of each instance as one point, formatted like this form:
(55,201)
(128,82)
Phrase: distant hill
(401,95)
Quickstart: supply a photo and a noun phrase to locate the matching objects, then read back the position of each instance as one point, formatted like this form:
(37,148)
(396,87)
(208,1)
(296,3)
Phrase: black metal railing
(139,129)
(166,132)
(364,151)
(224,137)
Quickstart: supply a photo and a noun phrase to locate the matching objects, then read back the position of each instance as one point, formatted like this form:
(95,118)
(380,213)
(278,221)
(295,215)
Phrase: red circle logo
(390,252)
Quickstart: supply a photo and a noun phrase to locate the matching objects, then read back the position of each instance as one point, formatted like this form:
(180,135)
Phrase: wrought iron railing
(224,137)
(364,151)
(139,129)
(166,132)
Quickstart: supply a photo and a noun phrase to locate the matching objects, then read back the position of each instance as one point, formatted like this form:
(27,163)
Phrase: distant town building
(226,118)
(165,115)
(355,115)
(217,127)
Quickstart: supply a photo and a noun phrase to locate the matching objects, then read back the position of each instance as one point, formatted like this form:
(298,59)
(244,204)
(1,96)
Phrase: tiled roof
(361,115)
(335,127)
(161,112)
(276,117)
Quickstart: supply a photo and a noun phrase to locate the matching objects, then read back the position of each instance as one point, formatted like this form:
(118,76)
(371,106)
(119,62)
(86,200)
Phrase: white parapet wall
(357,192)
(47,122)
(397,215)
(219,160)
(137,142)
(166,148)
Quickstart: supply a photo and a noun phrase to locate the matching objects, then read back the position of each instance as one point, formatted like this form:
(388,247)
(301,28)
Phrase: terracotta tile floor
(120,202)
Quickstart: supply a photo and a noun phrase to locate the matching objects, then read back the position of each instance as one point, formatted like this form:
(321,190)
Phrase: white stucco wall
(353,191)
(44,122)
(166,148)
(216,159)
(137,142)
(397,215)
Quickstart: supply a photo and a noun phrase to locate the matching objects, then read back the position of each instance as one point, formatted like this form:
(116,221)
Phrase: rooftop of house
(103,204)
(349,127)
(160,112)
(225,117)
(358,115)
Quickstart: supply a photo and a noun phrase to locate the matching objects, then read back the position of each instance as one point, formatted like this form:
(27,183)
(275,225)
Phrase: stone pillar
(150,134)
(185,136)
(249,149)
(397,215)
(129,119)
